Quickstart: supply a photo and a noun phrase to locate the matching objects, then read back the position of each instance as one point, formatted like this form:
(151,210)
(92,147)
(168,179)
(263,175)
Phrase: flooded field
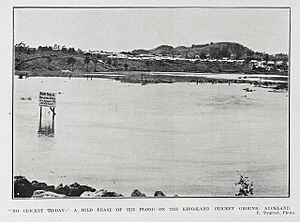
(181,138)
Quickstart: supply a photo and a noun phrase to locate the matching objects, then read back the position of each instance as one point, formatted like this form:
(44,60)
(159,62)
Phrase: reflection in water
(46,128)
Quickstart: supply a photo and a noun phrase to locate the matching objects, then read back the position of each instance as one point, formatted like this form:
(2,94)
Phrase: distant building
(240,61)
(65,71)
(31,49)
(121,56)
(261,64)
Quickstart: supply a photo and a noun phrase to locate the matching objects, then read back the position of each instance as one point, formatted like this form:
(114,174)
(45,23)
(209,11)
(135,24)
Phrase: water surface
(180,138)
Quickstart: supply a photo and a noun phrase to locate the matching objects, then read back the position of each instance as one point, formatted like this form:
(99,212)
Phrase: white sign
(47,99)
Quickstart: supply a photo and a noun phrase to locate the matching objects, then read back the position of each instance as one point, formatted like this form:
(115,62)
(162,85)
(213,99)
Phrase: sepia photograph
(150,102)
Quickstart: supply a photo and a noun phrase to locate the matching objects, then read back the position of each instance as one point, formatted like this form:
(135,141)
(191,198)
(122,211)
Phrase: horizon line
(174,47)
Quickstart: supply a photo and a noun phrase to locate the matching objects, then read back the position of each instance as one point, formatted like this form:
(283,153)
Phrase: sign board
(47,99)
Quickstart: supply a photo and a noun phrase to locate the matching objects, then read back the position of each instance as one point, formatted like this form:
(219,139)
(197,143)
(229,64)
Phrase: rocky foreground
(24,188)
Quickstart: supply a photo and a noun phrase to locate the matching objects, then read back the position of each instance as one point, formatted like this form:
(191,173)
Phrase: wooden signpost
(47,99)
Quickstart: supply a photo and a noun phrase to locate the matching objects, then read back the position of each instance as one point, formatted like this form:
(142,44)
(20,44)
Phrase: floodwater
(181,138)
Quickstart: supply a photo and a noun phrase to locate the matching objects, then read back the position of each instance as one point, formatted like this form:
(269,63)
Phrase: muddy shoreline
(23,188)
(278,82)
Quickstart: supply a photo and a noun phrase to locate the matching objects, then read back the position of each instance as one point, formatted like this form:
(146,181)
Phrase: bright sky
(127,29)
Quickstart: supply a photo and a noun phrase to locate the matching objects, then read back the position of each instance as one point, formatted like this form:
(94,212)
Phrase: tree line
(69,56)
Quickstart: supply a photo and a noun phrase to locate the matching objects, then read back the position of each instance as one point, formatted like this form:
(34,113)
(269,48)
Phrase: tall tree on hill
(266,57)
(21,47)
(86,62)
(56,47)
(95,60)
(71,61)
(108,61)
(126,66)
(72,51)
(64,49)
(114,63)
(79,51)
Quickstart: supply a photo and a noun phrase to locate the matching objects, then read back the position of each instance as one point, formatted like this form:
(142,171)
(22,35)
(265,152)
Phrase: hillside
(169,59)
(213,50)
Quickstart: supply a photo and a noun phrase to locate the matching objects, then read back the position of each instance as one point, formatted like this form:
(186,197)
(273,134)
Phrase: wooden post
(53,115)
(40,124)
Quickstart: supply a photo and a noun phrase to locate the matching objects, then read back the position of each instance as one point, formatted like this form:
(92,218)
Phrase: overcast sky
(127,29)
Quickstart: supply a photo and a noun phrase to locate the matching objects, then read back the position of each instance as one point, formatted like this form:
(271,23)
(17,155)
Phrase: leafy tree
(45,48)
(71,61)
(17,61)
(108,61)
(126,66)
(246,187)
(56,46)
(199,46)
(202,55)
(21,47)
(64,49)
(86,62)
(71,51)
(95,60)
(79,51)
(248,59)
(114,63)
(250,53)
(266,57)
